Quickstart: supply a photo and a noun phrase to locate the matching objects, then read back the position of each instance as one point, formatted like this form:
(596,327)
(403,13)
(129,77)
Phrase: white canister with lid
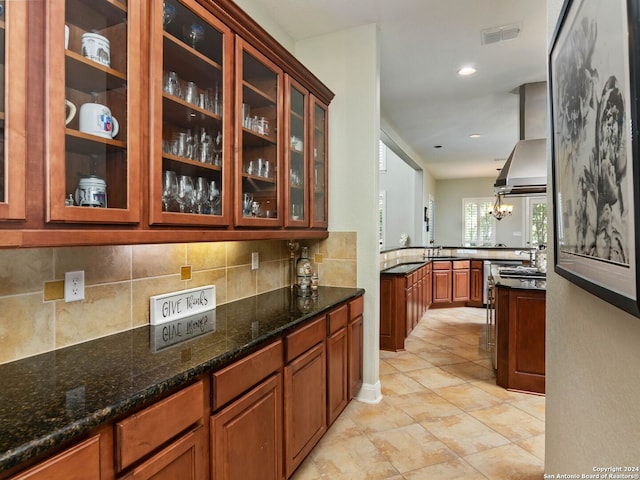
(91,192)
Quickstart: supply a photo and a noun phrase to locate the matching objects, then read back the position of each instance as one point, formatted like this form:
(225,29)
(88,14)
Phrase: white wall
(427,181)
(449,215)
(592,382)
(403,189)
(354,135)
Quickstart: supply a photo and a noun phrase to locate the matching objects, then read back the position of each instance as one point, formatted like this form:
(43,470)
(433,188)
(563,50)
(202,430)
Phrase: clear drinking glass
(169,188)
(185,193)
(217,150)
(214,198)
(172,84)
(191,93)
(201,194)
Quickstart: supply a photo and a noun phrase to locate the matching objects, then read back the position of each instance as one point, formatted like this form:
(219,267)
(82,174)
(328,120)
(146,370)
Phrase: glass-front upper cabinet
(296,154)
(258,118)
(319,171)
(93,142)
(13,41)
(190,86)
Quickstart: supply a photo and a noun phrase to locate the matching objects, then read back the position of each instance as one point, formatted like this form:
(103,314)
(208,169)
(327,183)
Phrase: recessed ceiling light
(464,71)
(474,135)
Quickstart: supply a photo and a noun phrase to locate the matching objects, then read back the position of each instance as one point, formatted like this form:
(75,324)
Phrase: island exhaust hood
(525,171)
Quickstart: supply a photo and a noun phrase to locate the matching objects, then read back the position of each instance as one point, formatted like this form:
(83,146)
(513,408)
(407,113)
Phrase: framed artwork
(593,86)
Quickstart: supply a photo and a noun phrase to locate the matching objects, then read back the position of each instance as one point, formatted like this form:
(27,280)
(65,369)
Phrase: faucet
(428,251)
(531,252)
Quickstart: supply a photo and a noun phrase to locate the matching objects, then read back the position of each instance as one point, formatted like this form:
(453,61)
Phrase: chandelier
(501,210)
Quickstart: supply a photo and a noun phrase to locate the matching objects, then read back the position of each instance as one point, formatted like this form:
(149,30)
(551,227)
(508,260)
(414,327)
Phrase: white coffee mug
(96,119)
(96,47)
(72,111)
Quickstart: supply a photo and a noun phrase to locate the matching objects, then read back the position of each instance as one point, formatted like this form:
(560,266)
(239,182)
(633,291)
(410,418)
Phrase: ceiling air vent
(500,34)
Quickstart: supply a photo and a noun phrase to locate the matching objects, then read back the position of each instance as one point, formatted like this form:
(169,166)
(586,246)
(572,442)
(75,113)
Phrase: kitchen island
(52,400)
(520,333)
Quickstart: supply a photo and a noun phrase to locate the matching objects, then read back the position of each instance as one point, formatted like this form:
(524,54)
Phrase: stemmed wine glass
(214,197)
(217,149)
(185,193)
(192,34)
(168,13)
(201,194)
(169,188)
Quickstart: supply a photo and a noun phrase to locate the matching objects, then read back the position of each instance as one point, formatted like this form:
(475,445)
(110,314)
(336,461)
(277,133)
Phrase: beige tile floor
(442,416)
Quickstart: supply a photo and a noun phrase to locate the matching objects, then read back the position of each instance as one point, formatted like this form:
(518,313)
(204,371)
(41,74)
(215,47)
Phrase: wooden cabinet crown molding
(239,21)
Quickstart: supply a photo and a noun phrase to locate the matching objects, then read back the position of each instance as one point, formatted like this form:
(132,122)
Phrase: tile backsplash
(120,279)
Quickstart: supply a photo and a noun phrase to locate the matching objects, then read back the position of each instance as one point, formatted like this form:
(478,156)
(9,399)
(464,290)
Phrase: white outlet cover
(255,261)
(74,286)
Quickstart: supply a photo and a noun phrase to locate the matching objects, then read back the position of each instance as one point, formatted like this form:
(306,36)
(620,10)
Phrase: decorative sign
(178,305)
(177,331)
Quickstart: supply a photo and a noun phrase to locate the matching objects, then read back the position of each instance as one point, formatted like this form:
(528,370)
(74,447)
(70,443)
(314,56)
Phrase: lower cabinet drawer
(305,337)
(143,432)
(81,462)
(337,319)
(356,307)
(240,376)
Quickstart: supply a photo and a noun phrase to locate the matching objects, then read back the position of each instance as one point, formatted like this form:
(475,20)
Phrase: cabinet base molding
(370,393)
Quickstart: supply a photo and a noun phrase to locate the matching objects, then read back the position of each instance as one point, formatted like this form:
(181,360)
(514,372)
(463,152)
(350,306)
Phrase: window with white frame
(536,221)
(479,226)
(431,221)
(382,157)
(382,214)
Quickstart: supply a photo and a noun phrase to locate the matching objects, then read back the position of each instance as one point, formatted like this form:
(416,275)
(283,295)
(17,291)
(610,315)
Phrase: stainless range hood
(525,171)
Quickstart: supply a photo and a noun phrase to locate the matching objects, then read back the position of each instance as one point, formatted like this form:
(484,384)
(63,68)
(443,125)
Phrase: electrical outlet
(255,261)
(74,286)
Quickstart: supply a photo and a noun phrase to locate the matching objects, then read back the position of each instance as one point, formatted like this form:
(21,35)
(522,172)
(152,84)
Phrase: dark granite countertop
(53,398)
(520,283)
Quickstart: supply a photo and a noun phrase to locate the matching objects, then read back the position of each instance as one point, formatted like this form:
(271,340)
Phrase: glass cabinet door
(258,110)
(93,143)
(13,41)
(319,163)
(191,141)
(296,154)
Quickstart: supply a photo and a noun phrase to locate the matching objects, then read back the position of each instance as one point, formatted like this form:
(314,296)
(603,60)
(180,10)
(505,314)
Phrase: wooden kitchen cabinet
(355,337)
(442,283)
(235,63)
(476,284)
(296,154)
(305,386)
(246,436)
(93,153)
(520,339)
(337,362)
(259,155)
(460,280)
(402,303)
(191,85)
(13,106)
(319,127)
